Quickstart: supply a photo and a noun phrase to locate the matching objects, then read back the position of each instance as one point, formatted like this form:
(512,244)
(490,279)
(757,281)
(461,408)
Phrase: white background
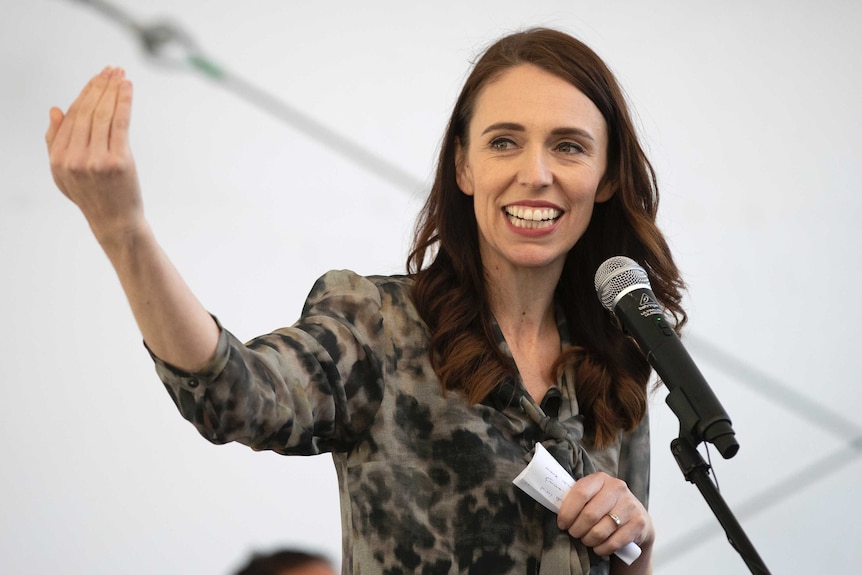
(750,112)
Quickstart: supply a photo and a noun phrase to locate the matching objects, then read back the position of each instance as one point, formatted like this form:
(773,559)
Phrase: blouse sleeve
(302,390)
(634,464)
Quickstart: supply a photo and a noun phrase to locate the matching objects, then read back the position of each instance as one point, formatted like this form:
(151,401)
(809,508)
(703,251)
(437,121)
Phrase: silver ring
(615,519)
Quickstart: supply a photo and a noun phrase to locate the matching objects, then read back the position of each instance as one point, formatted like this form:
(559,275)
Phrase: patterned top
(425,479)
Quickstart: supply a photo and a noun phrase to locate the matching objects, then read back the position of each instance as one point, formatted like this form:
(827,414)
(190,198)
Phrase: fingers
(586,514)
(55,116)
(607,535)
(90,118)
(114,100)
(81,111)
(60,130)
(88,147)
(119,138)
(586,505)
(97,112)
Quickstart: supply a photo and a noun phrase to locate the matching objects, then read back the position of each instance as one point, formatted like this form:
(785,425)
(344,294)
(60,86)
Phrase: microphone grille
(615,275)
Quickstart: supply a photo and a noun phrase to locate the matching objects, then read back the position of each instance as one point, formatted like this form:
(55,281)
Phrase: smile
(532,218)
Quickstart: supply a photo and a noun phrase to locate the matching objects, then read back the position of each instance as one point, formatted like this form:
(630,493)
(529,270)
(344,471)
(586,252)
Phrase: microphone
(624,289)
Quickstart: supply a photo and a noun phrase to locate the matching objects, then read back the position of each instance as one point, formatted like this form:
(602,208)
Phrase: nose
(534,170)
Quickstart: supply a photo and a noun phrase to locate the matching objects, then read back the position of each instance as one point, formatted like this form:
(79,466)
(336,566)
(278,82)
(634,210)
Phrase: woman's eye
(501,144)
(570,148)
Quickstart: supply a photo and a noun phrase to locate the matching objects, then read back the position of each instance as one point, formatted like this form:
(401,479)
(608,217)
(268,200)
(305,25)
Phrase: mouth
(532,218)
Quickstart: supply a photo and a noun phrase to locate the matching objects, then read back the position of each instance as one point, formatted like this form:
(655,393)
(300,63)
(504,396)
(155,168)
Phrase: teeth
(532,218)
(530,224)
(534,214)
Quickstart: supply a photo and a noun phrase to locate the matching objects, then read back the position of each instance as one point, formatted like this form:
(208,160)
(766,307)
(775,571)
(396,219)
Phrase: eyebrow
(563,131)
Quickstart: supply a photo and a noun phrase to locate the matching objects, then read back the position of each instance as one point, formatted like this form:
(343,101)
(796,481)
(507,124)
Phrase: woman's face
(536,154)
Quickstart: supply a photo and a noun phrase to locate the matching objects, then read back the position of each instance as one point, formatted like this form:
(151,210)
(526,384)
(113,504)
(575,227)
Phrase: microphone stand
(623,288)
(696,471)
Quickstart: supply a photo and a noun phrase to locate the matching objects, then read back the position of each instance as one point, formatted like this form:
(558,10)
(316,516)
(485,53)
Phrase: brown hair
(610,373)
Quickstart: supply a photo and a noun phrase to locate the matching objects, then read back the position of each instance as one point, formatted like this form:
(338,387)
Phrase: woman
(416,384)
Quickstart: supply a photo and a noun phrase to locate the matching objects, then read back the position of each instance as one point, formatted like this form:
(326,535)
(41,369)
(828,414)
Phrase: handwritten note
(545,480)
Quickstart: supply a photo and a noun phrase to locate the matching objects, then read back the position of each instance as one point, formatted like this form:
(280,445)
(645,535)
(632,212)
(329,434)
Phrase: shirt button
(193,383)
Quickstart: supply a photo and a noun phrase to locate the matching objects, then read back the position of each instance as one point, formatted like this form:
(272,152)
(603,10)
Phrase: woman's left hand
(589,510)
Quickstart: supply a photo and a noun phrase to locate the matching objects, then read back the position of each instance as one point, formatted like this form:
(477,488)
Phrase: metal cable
(777,392)
(167,44)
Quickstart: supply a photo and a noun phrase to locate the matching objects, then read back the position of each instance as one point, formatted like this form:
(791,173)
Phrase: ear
(463,177)
(606,190)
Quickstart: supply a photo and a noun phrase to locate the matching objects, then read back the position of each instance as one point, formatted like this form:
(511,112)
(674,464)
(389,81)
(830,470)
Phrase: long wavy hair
(611,376)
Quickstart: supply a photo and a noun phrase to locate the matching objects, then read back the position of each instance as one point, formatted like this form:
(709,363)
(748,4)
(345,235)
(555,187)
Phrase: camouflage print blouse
(425,479)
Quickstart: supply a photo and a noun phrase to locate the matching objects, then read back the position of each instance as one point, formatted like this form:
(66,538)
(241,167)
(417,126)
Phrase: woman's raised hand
(93,166)
(91,160)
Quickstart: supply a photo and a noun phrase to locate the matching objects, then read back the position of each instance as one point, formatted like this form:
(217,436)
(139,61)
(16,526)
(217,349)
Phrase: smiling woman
(432,380)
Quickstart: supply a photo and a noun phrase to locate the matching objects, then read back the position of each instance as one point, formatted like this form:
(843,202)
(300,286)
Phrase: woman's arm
(93,166)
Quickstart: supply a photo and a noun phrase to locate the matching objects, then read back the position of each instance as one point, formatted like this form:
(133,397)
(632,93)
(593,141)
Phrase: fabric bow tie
(562,554)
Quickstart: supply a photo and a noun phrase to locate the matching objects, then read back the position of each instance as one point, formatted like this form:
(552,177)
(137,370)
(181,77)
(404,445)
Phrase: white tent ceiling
(750,113)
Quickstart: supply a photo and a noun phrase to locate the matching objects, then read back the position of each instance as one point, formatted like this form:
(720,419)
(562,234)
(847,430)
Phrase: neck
(523,304)
(522,301)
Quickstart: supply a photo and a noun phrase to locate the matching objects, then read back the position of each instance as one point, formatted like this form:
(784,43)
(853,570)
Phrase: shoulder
(348,286)
(347,281)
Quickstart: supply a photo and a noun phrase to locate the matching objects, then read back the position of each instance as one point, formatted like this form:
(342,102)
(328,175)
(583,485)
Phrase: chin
(538,261)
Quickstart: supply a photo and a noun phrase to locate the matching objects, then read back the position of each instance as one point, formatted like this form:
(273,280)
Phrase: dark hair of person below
(278,562)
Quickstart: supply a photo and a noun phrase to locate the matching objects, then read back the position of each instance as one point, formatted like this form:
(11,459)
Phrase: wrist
(119,236)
